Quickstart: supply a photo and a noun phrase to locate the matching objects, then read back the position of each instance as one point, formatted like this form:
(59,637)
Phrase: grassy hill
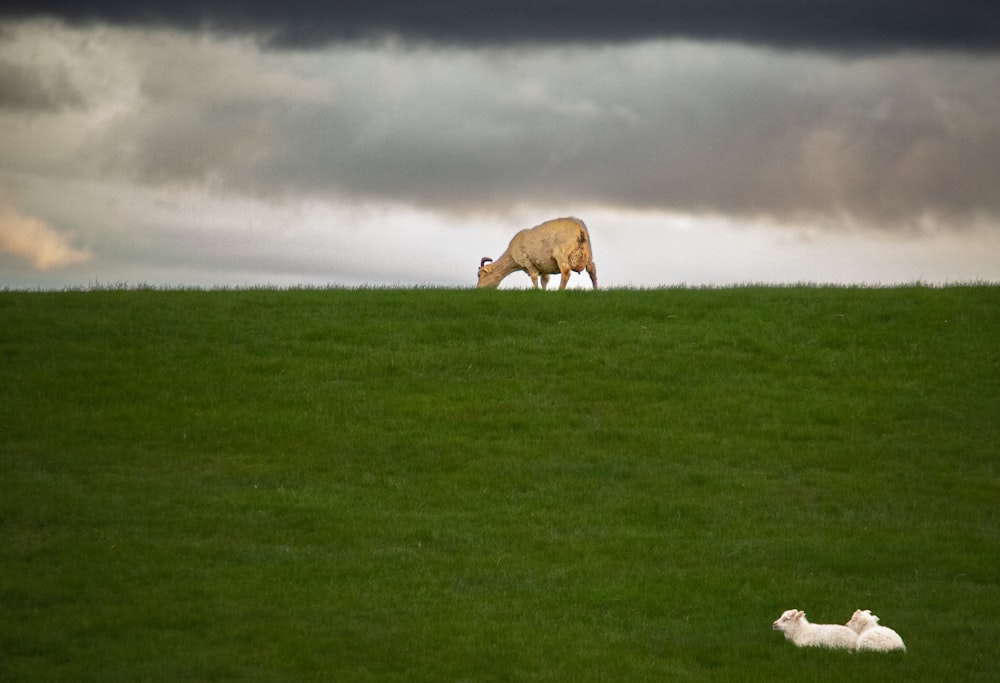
(428,485)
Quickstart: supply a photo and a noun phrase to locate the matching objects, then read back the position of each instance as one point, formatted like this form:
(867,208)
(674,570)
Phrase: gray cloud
(825,24)
(890,141)
(23,88)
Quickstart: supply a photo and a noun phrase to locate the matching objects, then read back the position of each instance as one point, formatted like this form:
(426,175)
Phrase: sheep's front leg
(564,277)
(592,271)
(545,280)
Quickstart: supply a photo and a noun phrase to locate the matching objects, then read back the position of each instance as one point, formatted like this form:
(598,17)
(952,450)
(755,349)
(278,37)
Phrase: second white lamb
(873,637)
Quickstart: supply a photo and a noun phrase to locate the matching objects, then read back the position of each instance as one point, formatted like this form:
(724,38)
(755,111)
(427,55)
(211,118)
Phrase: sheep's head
(790,618)
(485,273)
(862,620)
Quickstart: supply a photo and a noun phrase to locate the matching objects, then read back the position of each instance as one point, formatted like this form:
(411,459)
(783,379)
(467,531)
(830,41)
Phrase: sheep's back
(880,639)
(828,635)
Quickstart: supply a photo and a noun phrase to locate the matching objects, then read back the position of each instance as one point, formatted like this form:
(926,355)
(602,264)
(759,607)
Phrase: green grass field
(463,485)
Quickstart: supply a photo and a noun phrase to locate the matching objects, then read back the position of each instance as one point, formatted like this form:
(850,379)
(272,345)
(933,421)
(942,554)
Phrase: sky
(215,143)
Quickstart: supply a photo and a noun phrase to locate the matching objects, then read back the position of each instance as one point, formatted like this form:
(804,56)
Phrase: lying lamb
(796,627)
(871,636)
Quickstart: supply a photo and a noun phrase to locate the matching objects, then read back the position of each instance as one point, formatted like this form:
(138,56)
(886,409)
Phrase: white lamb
(796,627)
(871,636)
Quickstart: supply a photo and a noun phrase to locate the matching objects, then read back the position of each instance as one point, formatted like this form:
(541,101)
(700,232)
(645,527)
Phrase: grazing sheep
(796,627)
(873,637)
(557,246)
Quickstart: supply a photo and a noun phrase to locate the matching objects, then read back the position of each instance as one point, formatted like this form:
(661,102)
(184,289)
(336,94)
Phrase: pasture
(463,485)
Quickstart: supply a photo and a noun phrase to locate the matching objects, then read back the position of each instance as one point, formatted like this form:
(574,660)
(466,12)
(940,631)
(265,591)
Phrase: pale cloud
(35,241)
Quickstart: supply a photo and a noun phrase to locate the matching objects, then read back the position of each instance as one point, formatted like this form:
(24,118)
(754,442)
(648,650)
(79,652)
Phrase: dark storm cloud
(826,24)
